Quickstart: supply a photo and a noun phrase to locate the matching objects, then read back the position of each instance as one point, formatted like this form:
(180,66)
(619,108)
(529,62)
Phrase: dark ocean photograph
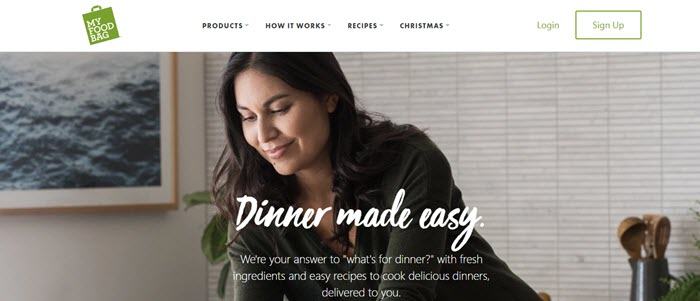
(79,120)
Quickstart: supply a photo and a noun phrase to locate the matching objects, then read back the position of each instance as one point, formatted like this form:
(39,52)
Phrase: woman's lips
(278,151)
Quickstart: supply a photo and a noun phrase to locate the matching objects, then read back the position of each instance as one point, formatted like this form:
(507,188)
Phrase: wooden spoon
(631,235)
(661,234)
(649,236)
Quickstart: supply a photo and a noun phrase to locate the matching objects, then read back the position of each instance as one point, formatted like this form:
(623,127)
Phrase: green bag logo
(100,25)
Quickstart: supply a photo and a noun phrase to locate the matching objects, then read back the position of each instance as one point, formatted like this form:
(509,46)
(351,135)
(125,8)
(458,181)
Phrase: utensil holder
(649,279)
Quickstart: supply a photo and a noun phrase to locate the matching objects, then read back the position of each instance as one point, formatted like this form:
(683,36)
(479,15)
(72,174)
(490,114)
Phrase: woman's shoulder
(252,239)
(419,160)
(421,151)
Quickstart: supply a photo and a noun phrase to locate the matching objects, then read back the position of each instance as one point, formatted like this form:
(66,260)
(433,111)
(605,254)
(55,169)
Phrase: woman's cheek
(294,124)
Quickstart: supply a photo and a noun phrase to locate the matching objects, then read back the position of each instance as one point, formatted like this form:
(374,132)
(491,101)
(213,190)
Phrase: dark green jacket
(423,171)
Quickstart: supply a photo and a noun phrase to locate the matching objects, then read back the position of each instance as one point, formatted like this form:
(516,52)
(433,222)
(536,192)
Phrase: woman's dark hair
(363,145)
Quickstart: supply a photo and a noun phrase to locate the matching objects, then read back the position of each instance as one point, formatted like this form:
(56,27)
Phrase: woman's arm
(251,290)
(425,175)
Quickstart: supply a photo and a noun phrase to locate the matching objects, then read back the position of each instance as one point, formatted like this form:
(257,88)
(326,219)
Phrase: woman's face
(288,127)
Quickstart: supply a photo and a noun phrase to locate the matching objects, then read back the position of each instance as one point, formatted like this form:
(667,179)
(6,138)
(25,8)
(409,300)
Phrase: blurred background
(555,149)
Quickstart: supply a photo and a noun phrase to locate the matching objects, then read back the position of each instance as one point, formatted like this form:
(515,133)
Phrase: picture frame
(133,160)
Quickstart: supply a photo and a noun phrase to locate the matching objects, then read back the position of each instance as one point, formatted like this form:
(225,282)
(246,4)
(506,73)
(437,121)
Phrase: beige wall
(117,256)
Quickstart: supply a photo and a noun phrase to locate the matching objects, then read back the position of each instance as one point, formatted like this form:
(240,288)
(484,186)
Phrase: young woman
(296,138)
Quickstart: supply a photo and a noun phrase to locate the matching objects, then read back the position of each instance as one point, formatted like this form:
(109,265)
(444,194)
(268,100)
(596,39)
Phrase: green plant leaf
(223,278)
(686,288)
(197,198)
(214,239)
(221,258)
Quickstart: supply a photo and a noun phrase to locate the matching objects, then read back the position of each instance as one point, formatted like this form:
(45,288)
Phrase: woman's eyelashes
(281,111)
(246,118)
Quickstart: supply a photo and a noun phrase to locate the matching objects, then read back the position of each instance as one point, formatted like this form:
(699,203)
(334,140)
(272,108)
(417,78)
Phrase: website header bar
(351,26)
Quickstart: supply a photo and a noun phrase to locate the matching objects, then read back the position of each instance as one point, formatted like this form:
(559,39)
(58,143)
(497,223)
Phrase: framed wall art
(87,131)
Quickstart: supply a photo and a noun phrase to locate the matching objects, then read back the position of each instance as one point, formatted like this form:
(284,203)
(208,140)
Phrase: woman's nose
(266,130)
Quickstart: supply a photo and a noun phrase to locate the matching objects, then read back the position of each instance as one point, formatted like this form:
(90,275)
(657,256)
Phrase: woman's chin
(283,169)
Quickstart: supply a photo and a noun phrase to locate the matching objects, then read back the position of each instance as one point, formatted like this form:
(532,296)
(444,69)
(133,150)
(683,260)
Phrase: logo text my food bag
(100,25)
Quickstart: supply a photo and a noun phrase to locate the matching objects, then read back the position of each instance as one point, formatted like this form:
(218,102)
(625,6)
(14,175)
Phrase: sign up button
(608,24)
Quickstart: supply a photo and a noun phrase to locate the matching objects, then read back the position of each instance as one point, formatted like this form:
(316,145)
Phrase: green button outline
(606,11)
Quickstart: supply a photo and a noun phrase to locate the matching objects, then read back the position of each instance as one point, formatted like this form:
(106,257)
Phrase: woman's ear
(331,103)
